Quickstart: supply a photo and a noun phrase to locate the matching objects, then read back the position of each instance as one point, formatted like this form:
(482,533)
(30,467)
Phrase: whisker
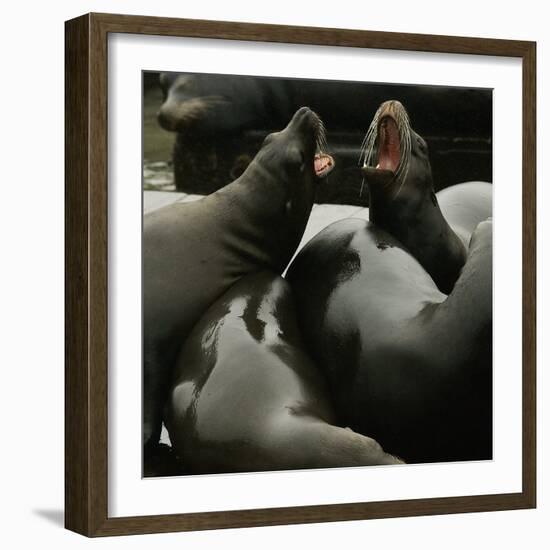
(361,190)
(370,142)
(321,137)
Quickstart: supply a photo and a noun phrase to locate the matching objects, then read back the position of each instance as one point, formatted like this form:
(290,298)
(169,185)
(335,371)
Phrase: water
(158,175)
(158,169)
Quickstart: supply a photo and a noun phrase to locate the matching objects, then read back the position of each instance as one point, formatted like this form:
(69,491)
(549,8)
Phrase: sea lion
(246,397)
(193,252)
(402,200)
(464,205)
(406,364)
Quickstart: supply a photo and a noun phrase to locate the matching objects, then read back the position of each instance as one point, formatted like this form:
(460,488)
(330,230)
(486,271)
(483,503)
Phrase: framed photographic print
(300,274)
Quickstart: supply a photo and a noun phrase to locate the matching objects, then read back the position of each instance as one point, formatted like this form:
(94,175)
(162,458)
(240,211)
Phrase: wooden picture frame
(86,231)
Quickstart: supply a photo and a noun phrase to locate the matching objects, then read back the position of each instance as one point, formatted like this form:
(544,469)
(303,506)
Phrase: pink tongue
(389,155)
(322,164)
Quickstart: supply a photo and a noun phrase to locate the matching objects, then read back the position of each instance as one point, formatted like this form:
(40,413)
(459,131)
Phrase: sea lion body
(193,252)
(464,205)
(246,397)
(398,311)
(405,363)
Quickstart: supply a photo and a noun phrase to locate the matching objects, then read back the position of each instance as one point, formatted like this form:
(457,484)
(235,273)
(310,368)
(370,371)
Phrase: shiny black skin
(246,396)
(405,363)
(193,252)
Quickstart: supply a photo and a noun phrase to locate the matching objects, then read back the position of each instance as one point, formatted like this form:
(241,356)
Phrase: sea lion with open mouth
(246,397)
(194,252)
(406,364)
(398,174)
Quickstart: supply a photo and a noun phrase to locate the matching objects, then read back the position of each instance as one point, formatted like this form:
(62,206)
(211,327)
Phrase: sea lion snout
(189,106)
(304,120)
(391,107)
(166,115)
(186,114)
(172,114)
(165,120)
(309,127)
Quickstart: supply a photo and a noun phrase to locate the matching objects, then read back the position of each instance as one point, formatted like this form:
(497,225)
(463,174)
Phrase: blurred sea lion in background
(210,114)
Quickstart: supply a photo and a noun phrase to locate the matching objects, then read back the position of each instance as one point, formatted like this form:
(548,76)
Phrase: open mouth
(386,149)
(323,164)
(389,148)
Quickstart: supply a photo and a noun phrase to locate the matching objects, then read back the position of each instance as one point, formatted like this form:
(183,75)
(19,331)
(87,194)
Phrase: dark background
(456,123)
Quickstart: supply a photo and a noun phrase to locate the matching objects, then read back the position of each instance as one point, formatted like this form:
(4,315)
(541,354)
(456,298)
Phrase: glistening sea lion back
(406,364)
(246,396)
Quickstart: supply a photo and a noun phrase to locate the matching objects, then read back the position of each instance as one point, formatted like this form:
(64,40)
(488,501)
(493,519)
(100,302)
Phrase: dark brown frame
(86,274)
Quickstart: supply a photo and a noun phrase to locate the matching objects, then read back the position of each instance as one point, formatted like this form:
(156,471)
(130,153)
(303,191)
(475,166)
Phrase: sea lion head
(189,105)
(402,200)
(284,176)
(395,164)
(299,150)
(296,157)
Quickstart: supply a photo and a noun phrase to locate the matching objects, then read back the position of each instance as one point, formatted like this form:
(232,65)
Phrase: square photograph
(317,280)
